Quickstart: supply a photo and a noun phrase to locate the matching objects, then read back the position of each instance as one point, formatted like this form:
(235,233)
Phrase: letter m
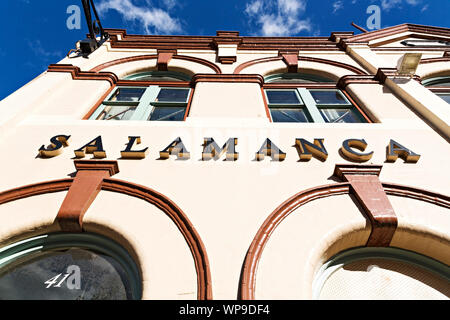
(212,150)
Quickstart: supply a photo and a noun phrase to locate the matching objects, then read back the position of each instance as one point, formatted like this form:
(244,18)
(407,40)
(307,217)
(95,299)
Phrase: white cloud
(153,20)
(389,4)
(278,17)
(254,7)
(337,5)
(36,46)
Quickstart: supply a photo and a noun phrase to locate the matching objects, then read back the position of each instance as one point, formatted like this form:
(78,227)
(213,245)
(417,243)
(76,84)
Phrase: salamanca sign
(351,149)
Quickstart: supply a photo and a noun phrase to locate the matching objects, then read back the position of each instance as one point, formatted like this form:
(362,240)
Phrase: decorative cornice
(227,37)
(337,36)
(290,58)
(111,166)
(227,60)
(384,73)
(368,190)
(204,62)
(210,42)
(77,74)
(269,43)
(247,78)
(83,191)
(351,68)
(341,170)
(445,58)
(344,81)
(377,34)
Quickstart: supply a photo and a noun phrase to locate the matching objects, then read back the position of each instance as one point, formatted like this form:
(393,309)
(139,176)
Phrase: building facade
(231,167)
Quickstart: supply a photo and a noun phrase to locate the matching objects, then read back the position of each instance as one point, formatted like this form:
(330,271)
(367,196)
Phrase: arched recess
(322,67)
(247,285)
(179,63)
(178,217)
(433,67)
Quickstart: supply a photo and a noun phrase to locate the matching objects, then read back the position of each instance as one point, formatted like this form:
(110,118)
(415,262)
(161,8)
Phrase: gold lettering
(56,147)
(94,147)
(270,149)
(395,150)
(351,154)
(133,154)
(212,150)
(176,148)
(307,150)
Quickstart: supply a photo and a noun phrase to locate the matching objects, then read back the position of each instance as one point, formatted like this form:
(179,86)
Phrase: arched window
(382,273)
(299,97)
(297,78)
(440,86)
(159,76)
(68,267)
(148,96)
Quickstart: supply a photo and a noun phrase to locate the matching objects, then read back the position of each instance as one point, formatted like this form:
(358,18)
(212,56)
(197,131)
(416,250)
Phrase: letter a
(94,147)
(395,150)
(176,148)
(270,149)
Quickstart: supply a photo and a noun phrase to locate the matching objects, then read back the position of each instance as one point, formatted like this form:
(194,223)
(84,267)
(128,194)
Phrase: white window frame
(312,108)
(146,104)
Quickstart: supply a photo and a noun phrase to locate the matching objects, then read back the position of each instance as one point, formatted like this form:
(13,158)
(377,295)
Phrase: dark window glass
(443,83)
(168,114)
(288,115)
(157,78)
(328,97)
(35,277)
(340,115)
(117,113)
(173,95)
(446,97)
(128,94)
(283,97)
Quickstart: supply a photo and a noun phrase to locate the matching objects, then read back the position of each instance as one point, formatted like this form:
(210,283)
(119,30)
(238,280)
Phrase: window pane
(297,78)
(168,114)
(128,94)
(288,115)
(100,277)
(328,97)
(116,113)
(173,95)
(283,97)
(446,97)
(341,115)
(443,83)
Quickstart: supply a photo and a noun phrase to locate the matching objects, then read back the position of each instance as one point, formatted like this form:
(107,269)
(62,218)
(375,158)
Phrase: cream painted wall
(227,100)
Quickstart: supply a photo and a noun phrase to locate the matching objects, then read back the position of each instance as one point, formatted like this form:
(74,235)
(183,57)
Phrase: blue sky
(35,33)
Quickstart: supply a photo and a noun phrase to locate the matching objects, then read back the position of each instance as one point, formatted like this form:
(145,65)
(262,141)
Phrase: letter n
(307,150)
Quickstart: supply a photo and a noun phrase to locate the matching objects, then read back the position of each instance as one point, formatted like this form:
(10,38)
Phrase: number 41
(73,282)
